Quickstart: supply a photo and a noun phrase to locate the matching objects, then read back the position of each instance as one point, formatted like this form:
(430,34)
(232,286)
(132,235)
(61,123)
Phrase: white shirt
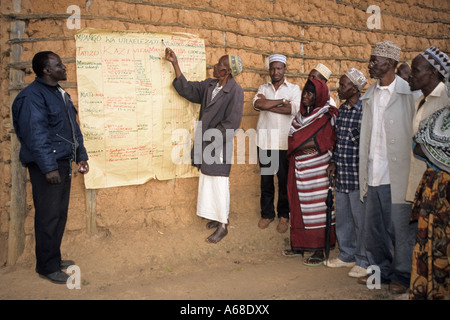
(273,128)
(378,158)
(216,91)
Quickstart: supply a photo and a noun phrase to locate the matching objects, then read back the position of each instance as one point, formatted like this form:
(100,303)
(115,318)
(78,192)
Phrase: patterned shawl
(434,137)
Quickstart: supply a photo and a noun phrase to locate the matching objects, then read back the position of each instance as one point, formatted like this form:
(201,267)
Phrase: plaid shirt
(346,153)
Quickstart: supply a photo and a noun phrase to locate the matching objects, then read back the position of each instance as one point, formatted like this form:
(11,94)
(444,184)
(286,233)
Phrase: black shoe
(64,264)
(57,277)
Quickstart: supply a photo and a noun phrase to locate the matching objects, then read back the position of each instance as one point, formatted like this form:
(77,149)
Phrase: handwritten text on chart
(128,106)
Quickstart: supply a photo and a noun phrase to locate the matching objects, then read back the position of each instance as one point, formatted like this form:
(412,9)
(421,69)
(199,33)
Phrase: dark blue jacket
(42,125)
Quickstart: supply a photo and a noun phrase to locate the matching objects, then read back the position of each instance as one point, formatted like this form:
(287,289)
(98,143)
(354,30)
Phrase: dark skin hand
(222,69)
(53,177)
(275,106)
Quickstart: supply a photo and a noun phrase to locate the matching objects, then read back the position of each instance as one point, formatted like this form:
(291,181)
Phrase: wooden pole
(91,211)
(16,238)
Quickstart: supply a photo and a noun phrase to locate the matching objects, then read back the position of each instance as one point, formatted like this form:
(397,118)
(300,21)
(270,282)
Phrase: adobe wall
(306,31)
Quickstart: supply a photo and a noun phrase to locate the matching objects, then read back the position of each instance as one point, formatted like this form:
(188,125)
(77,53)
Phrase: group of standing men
(376,174)
(365,147)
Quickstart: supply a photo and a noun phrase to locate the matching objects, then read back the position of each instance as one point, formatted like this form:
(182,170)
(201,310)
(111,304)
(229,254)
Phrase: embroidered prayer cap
(235,64)
(323,70)
(437,59)
(277,58)
(387,49)
(357,78)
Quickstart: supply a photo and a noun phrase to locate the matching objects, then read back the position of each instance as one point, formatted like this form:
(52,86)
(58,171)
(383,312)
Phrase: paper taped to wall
(128,108)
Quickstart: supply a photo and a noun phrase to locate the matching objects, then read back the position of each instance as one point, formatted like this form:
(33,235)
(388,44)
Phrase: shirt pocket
(54,115)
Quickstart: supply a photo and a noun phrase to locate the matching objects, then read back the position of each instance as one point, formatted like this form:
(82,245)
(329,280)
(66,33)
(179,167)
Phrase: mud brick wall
(333,32)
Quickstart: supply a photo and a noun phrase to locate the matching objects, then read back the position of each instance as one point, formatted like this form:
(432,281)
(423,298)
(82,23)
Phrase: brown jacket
(218,121)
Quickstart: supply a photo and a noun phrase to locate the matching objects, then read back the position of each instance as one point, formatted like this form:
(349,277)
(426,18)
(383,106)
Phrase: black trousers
(51,203)
(268,159)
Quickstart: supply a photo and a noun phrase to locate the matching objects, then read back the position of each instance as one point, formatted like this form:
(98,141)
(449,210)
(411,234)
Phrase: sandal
(308,261)
(292,253)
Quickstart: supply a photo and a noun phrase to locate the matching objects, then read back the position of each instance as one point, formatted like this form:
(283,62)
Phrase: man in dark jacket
(44,119)
(222,101)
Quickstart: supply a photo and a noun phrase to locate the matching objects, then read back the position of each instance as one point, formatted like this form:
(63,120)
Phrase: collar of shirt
(357,104)
(390,87)
(437,91)
(285,83)
(40,80)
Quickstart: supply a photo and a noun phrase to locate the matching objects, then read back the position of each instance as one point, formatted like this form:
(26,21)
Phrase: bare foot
(212,224)
(219,234)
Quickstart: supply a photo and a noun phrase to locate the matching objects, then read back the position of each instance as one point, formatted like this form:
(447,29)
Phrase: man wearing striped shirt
(344,167)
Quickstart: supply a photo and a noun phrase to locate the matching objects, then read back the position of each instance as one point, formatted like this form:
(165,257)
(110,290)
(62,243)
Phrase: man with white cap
(221,102)
(277,101)
(384,157)
(344,167)
(428,70)
(322,72)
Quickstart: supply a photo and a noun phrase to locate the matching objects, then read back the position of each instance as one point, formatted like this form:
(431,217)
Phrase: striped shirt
(346,153)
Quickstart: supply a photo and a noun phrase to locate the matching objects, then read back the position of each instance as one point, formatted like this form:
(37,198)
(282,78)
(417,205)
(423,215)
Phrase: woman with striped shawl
(312,138)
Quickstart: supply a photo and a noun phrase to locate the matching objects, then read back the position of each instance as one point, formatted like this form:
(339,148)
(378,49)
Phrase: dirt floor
(178,264)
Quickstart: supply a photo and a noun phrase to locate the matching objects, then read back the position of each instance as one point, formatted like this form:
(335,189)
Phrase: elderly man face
(421,73)
(222,68)
(379,66)
(346,88)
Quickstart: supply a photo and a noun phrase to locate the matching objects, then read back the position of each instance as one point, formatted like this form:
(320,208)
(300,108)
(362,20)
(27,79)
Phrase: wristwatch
(284,100)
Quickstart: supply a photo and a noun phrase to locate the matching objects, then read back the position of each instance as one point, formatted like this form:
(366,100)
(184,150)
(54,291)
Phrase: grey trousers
(388,235)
